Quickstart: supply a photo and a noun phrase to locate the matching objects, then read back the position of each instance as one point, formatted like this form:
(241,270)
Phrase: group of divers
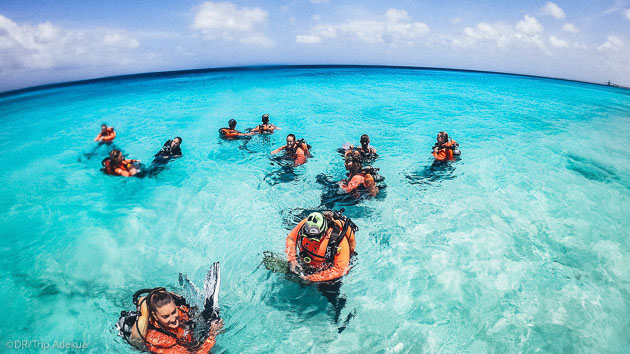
(319,249)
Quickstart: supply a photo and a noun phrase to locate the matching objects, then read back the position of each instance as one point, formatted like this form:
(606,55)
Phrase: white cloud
(257,39)
(227,21)
(46,46)
(529,25)
(501,35)
(551,9)
(557,42)
(569,27)
(397,27)
(613,44)
(308,39)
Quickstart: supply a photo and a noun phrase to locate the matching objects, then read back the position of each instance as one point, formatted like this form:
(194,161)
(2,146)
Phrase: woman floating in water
(296,150)
(445,149)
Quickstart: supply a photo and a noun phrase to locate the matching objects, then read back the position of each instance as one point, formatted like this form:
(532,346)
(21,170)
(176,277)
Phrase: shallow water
(521,245)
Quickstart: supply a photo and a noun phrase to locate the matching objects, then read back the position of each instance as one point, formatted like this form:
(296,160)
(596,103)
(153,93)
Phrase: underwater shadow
(437,172)
(591,169)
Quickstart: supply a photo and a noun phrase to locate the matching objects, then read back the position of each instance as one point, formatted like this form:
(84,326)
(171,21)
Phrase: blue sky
(55,41)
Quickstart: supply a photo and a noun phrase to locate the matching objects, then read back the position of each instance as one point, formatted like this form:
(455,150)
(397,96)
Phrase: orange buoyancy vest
(159,338)
(444,152)
(229,133)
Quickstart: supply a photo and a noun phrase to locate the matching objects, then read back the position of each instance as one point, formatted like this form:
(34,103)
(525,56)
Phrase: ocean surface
(521,245)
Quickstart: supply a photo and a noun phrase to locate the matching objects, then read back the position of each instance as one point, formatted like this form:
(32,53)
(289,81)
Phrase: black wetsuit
(167,153)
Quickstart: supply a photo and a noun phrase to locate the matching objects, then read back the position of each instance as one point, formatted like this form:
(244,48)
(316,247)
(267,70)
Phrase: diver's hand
(215,327)
(294,266)
(144,309)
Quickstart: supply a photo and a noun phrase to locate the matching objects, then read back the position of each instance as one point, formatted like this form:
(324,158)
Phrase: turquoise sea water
(522,245)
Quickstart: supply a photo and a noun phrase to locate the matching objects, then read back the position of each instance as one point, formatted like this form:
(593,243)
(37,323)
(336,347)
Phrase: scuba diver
(164,322)
(366,151)
(296,150)
(106,135)
(319,247)
(231,132)
(117,165)
(170,151)
(358,176)
(265,127)
(318,250)
(445,149)
(362,182)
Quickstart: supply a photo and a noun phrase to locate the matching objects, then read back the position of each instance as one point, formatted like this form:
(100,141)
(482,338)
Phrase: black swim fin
(211,286)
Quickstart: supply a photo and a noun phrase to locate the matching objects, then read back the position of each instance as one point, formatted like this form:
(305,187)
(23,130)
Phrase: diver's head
(290,141)
(315,226)
(163,309)
(103,127)
(232,123)
(442,137)
(265,119)
(353,161)
(177,141)
(116,155)
(365,141)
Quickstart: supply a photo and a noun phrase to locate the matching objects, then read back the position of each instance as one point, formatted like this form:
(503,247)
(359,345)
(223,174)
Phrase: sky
(44,41)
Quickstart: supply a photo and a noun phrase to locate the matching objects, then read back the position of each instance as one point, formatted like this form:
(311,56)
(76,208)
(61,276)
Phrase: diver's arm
(111,136)
(121,172)
(351,241)
(342,261)
(353,184)
(279,149)
(300,158)
(291,240)
(98,137)
(143,324)
(276,127)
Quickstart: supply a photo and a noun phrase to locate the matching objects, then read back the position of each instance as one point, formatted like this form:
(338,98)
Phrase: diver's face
(103,128)
(119,157)
(290,142)
(440,139)
(175,143)
(348,165)
(167,315)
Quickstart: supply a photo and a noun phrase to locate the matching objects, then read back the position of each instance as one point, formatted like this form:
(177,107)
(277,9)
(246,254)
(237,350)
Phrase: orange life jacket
(109,167)
(229,133)
(159,337)
(314,253)
(266,128)
(444,152)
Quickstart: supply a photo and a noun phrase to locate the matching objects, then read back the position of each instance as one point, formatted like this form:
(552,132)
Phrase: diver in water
(358,176)
(366,152)
(231,132)
(265,127)
(171,150)
(117,165)
(106,135)
(164,322)
(297,150)
(319,249)
(445,149)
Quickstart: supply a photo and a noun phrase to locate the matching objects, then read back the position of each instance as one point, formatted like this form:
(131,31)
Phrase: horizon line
(184,72)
